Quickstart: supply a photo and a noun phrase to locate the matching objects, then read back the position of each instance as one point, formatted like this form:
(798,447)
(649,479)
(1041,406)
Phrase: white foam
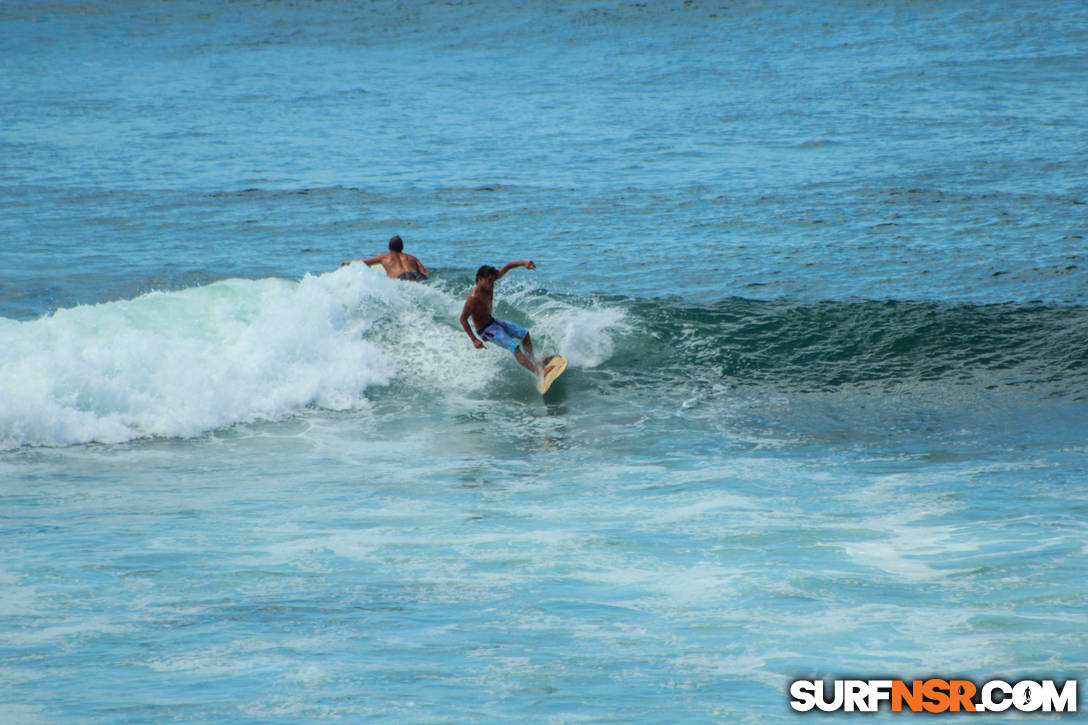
(908,542)
(584,336)
(178,364)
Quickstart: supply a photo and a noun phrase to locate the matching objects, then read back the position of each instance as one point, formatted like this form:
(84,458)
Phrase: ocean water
(819,269)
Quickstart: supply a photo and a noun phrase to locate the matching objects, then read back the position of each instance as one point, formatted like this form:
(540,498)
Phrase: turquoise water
(819,273)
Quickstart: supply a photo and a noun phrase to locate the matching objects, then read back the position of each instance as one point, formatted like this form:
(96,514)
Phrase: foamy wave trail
(181,363)
(185,362)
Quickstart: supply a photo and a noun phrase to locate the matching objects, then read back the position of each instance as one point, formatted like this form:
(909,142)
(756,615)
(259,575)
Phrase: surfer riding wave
(504,333)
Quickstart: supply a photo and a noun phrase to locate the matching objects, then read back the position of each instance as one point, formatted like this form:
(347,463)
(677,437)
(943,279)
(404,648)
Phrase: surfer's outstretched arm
(369,260)
(527,263)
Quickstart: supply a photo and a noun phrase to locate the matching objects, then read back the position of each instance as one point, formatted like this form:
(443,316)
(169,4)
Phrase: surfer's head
(486,272)
(396,244)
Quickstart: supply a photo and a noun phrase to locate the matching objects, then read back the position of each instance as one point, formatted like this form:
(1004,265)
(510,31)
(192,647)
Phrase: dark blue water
(820,273)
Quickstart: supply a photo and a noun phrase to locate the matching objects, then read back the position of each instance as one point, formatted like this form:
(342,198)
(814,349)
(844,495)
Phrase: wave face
(179,364)
(823,347)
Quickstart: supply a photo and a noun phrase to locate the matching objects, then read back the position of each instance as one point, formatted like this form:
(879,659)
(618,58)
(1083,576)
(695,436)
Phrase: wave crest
(180,363)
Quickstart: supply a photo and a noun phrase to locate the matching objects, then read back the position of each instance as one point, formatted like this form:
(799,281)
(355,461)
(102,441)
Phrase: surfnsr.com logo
(933,695)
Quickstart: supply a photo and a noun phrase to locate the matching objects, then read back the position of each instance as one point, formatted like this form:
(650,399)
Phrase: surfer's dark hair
(486,271)
(396,244)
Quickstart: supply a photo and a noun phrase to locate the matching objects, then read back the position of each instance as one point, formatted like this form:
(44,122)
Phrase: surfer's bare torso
(478,305)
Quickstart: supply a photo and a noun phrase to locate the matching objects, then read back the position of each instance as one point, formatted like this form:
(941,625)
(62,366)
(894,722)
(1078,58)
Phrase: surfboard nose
(554,365)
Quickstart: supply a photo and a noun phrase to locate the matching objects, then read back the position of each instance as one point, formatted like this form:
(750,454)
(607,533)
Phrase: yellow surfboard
(554,365)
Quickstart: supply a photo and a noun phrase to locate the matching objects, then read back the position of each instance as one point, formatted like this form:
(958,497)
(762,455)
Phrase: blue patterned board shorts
(504,333)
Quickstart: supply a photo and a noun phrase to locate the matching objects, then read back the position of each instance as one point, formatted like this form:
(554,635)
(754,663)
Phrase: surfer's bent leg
(527,347)
(527,360)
